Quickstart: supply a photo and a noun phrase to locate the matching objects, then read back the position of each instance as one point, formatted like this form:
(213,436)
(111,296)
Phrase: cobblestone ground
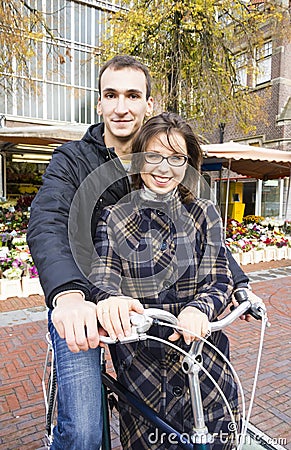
(23,348)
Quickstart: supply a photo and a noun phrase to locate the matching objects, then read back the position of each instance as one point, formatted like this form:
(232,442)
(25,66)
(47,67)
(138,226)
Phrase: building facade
(65,66)
(271,81)
(63,89)
(62,86)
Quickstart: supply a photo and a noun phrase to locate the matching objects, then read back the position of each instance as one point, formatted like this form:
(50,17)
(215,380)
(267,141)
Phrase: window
(271,198)
(241,69)
(64,71)
(264,63)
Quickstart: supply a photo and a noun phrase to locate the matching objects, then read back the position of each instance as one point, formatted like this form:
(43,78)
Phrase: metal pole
(288,195)
(106,438)
(258,207)
(227,198)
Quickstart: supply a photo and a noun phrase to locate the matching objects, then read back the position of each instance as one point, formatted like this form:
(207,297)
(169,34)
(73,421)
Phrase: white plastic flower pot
(259,256)
(270,253)
(10,288)
(247,258)
(31,286)
(281,253)
(236,257)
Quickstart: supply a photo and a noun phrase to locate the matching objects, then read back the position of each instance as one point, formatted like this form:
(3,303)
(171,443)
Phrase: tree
(21,26)
(191,47)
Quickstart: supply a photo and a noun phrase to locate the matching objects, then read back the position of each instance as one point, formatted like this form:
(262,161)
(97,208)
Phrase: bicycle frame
(147,413)
(199,438)
(49,387)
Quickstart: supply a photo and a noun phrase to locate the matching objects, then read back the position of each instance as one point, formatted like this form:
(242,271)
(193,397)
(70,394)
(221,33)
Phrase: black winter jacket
(66,209)
(83,177)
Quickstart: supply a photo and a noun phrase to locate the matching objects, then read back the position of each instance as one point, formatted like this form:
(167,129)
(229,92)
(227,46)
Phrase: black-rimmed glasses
(175,160)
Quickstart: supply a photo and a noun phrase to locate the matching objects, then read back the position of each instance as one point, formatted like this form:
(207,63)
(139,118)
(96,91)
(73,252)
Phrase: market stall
(257,162)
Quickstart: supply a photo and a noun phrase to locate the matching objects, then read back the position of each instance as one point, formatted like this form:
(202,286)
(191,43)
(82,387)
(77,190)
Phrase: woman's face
(163,176)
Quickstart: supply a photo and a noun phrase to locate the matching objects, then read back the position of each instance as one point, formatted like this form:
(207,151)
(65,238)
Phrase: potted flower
(234,248)
(247,256)
(30,280)
(259,252)
(11,271)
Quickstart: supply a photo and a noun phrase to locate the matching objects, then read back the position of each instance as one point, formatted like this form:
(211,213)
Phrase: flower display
(14,273)
(15,258)
(17,263)
(14,216)
(255,233)
(33,273)
(11,266)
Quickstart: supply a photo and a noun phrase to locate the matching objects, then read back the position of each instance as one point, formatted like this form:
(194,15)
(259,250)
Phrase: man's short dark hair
(126,61)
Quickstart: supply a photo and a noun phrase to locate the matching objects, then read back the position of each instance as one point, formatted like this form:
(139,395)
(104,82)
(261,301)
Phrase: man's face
(123,103)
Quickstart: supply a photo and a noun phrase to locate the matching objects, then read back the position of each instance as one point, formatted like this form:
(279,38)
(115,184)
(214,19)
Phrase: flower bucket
(10,288)
(247,258)
(31,286)
(270,253)
(236,257)
(259,256)
(281,253)
(288,252)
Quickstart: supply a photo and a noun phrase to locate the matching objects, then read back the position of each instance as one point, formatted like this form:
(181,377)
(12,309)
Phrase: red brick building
(271,81)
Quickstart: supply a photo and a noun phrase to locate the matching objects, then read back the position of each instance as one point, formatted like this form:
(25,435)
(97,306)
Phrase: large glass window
(64,69)
(271,198)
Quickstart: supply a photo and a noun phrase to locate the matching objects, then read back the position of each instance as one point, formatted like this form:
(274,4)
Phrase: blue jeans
(79,424)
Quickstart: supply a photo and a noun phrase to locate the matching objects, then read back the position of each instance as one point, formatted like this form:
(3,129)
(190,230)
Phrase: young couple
(159,246)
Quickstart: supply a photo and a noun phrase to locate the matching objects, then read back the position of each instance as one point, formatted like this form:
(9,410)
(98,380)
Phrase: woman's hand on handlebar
(113,315)
(194,320)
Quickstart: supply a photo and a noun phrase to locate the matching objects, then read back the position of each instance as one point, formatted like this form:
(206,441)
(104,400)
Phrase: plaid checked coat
(169,255)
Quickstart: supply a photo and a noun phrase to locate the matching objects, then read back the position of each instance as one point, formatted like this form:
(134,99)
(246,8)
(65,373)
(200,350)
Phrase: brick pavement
(18,303)
(272,408)
(22,349)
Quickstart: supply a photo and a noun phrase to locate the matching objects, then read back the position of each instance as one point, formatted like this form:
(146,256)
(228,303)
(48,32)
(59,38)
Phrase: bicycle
(198,438)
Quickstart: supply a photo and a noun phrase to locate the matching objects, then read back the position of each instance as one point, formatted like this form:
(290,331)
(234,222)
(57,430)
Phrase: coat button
(177,391)
(164,245)
(175,357)
(167,284)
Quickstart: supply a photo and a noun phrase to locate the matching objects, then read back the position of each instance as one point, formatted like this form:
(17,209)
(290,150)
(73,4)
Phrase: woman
(164,247)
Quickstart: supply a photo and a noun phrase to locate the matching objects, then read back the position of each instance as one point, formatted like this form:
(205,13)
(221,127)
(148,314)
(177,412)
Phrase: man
(124,88)
(124,103)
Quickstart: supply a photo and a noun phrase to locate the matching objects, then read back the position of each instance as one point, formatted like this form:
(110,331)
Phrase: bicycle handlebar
(142,322)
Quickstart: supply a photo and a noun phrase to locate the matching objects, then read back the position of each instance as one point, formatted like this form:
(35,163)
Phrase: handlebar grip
(241,295)
(255,309)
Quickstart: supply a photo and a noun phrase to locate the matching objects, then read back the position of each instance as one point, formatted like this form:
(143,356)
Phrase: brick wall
(270,131)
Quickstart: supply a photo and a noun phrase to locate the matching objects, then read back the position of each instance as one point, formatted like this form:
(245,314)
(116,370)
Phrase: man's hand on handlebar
(194,320)
(76,321)
(113,315)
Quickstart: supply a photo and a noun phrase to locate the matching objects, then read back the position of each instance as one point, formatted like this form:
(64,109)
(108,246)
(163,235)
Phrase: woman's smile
(161,180)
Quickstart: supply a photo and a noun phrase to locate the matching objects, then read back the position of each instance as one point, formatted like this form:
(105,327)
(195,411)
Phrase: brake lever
(257,309)
(140,324)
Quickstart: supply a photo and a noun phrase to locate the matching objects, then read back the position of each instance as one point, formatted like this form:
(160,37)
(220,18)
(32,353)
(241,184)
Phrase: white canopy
(256,162)
(43,134)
